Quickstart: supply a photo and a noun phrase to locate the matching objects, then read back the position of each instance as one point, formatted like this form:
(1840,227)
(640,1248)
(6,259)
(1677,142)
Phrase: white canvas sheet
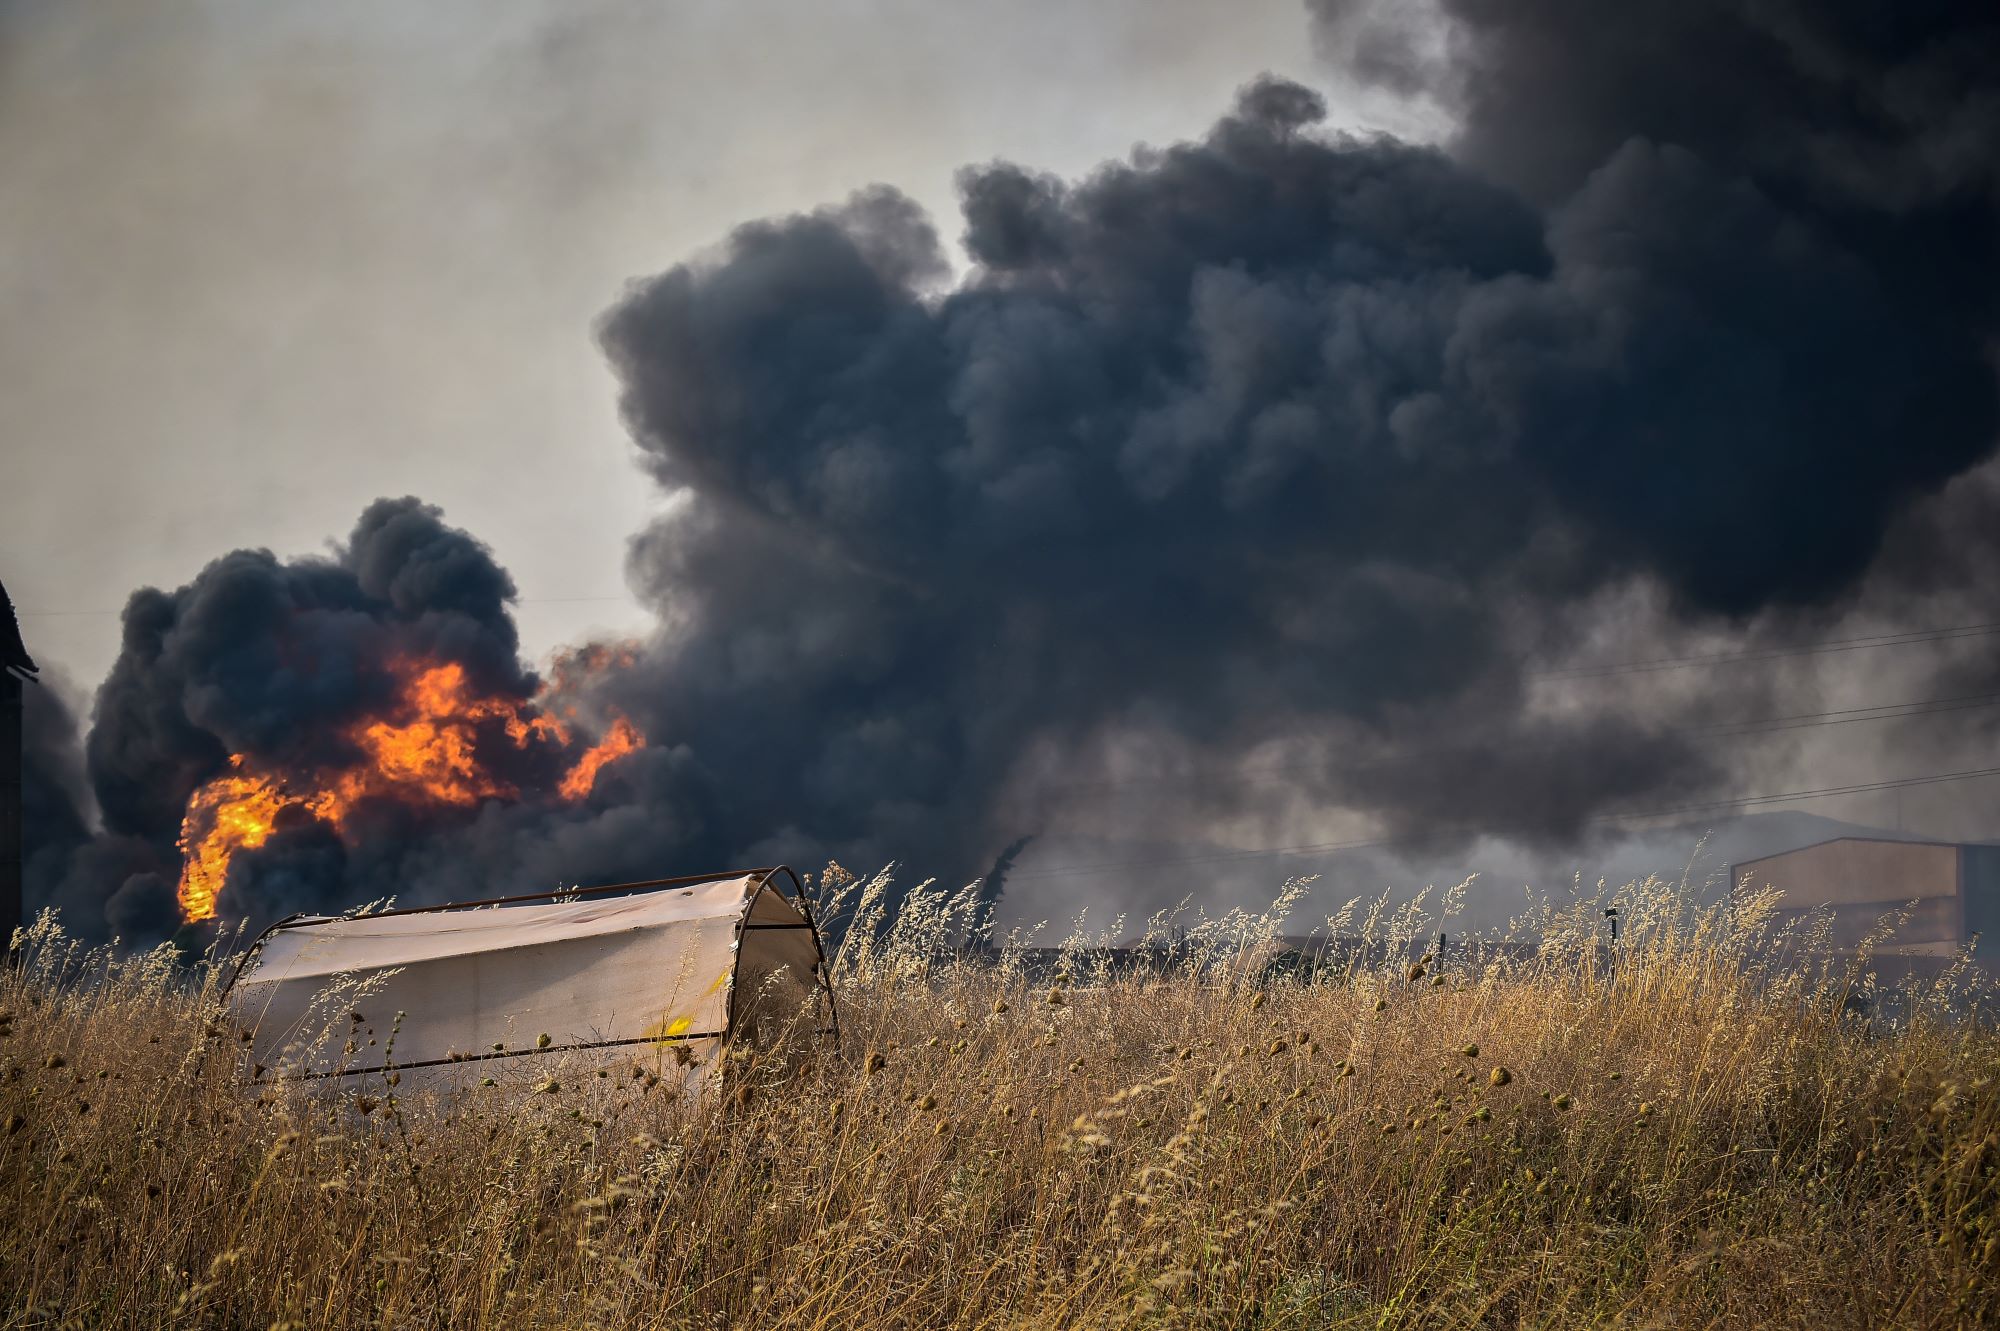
(643,980)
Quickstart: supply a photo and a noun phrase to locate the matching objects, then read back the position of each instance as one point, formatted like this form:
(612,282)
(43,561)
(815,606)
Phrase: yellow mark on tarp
(720,980)
(661,1031)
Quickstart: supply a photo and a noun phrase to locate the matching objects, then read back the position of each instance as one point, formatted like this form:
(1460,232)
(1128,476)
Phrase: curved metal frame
(799,898)
(762,876)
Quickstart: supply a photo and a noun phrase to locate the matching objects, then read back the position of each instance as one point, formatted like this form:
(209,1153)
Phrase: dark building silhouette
(17,669)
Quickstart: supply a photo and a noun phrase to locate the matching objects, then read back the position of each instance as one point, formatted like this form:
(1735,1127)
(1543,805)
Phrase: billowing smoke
(279,667)
(1874,121)
(55,793)
(1285,440)
(1280,445)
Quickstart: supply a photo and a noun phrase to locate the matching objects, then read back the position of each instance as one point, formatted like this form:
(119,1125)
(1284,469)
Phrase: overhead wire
(518,600)
(1463,830)
(1841,716)
(1757,726)
(1946,634)
(1850,715)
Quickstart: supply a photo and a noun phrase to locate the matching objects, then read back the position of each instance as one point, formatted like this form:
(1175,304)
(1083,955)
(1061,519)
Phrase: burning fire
(424,751)
(230,813)
(621,739)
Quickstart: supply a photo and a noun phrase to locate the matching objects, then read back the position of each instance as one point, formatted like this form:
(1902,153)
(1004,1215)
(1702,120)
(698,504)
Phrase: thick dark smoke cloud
(1285,434)
(278,660)
(55,796)
(1279,439)
(1887,109)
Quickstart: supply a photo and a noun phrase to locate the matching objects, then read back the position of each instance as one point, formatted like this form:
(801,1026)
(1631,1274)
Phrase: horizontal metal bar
(684,1038)
(563,895)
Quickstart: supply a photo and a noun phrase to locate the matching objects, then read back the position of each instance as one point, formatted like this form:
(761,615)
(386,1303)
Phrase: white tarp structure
(654,980)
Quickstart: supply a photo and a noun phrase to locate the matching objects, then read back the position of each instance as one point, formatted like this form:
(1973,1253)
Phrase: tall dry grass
(1695,1139)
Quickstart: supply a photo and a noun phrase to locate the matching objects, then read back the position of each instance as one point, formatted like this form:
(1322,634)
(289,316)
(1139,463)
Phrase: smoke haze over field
(1279,449)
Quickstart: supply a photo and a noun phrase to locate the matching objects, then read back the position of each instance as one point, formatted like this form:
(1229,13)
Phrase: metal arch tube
(764,877)
(804,904)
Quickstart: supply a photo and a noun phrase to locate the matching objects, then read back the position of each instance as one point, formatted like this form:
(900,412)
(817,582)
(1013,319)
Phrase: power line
(1849,715)
(1949,634)
(1736,802)
(1944,634)
(1763,725)
(567,600)
(518,600)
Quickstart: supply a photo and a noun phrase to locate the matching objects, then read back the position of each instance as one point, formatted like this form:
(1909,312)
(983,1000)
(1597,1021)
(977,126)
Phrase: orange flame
(620,740)
(431,757)
(228,814)
(425,752)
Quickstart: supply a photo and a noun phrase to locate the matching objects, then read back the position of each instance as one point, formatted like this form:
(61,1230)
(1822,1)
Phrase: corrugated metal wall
(1863,881)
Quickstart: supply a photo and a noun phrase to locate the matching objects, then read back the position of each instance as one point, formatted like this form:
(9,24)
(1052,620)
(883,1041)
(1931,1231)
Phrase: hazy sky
(265,260)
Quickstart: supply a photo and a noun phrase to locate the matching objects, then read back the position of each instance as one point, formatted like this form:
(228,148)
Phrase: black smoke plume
(1283,441)
(1290,438)
(278,661)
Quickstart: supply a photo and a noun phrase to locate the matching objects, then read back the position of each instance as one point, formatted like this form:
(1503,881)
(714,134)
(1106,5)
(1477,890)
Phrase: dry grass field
(1691,1140)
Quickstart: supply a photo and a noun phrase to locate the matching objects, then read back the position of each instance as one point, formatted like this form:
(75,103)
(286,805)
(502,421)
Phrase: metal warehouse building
(1955,890)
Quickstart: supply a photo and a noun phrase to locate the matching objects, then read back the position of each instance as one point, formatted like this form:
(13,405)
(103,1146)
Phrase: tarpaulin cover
(657,980)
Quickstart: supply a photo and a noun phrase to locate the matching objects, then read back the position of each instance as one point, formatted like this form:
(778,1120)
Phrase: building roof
(13,652)
(1873,840)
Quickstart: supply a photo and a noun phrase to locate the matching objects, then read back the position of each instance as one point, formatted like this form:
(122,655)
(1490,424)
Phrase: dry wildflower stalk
(1739,1150)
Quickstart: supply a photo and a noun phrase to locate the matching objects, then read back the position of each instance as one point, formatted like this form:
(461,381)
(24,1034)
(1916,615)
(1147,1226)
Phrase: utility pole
(17,670)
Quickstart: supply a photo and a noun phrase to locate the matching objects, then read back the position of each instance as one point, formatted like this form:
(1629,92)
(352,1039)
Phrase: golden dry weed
(1692,1139)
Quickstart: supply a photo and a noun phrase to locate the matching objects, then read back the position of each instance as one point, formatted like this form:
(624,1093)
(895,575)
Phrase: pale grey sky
(265,260)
